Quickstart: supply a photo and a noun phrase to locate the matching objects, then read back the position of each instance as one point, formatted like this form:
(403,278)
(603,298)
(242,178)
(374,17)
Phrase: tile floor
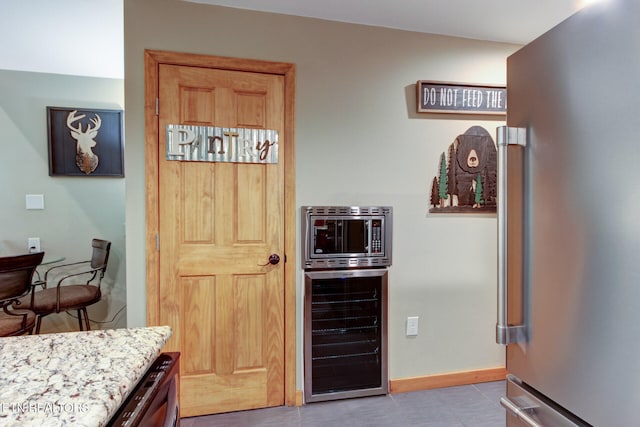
(476,405)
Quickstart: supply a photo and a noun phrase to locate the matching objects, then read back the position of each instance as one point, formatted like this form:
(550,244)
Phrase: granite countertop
(75,378)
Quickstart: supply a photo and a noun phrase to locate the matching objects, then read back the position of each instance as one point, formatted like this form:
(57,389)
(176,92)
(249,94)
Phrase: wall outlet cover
(33,244)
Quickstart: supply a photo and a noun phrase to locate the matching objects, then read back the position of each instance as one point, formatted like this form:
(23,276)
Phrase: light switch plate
(412,326)
(34,201)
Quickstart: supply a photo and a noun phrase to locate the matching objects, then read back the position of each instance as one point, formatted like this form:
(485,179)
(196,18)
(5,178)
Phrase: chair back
(16,273)
(100,255)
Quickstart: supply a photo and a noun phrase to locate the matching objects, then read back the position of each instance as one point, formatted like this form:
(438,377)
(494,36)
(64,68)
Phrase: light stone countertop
(73,379)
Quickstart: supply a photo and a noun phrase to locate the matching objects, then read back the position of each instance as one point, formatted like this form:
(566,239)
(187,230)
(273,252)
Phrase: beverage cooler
(345,334)
(345,309)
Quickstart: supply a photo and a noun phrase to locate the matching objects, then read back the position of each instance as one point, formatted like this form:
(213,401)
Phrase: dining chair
(77,286)
(16,273)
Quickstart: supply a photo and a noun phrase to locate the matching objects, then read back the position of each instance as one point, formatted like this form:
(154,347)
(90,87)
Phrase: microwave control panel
(376,236)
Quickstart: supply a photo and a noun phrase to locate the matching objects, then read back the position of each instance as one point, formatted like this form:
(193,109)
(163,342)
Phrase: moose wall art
(85,142)
(466,180)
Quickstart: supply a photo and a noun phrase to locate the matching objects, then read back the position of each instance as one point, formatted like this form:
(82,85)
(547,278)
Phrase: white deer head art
(86,160)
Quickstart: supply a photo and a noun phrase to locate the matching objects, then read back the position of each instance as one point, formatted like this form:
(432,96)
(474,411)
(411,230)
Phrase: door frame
(152,61)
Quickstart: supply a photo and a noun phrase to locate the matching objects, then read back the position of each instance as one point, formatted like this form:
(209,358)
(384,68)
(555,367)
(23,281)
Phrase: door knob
(273,260)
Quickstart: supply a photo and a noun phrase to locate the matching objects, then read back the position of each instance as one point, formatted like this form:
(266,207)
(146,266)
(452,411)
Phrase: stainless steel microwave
(346,236)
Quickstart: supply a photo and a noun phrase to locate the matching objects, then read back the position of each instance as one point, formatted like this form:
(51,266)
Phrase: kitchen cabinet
(75,378)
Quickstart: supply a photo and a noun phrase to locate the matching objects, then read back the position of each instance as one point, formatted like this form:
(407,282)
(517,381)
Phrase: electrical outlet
(33,244)
(412,326)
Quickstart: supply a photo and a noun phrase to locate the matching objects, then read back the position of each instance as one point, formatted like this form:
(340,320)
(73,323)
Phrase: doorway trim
(152,61)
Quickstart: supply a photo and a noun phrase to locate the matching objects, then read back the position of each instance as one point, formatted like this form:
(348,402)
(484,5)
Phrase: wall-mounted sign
(214,144)
(467,175)
(442,97)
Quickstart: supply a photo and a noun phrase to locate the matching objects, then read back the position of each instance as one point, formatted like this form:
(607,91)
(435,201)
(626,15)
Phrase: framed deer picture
(85,142)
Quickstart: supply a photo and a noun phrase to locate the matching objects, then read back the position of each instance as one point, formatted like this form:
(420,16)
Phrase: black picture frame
(101,134)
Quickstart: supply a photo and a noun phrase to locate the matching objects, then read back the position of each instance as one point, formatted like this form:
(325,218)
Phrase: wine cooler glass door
(345,334)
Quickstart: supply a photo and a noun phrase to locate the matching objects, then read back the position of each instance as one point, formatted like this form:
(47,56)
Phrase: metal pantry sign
(439,97)
(214,144)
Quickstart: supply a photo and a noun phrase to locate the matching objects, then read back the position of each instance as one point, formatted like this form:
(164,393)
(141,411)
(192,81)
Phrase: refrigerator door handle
(505,333)
(518,412)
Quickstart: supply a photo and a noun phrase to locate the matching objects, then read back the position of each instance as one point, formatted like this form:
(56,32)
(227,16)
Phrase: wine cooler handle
(505,333)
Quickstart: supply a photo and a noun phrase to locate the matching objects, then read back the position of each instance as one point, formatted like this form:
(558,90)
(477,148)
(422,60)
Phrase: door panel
(201,292)
(218,223)
(198,189)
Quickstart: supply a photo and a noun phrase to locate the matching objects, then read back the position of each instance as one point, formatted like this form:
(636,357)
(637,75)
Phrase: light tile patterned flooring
(476,405)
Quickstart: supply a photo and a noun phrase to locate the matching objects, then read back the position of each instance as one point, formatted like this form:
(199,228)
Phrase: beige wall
(77,209)
(358,141)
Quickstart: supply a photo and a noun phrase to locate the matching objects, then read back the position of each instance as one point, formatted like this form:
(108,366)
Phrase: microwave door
(341,236)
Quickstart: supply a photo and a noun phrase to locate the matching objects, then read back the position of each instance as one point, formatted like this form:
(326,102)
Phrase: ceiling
(509,21)
(42,47)
(58,36)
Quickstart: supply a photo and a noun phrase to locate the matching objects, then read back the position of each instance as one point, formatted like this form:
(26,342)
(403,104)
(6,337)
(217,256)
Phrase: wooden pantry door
(217,224)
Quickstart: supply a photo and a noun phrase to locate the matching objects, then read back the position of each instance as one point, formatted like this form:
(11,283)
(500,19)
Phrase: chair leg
(80,319)
(86,318)
(38,321)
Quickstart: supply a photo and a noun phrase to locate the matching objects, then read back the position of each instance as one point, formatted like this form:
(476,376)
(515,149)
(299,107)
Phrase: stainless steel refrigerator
(569,223)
